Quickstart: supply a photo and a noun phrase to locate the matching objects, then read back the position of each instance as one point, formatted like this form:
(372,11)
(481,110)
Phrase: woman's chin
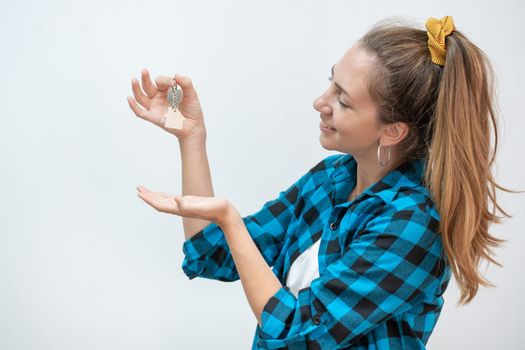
(326,144)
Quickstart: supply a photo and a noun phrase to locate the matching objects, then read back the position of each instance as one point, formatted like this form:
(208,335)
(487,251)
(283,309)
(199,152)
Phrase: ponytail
(450,106)
(460,178)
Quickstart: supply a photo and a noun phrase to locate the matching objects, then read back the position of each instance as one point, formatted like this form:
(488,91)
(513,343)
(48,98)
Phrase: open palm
(216,209)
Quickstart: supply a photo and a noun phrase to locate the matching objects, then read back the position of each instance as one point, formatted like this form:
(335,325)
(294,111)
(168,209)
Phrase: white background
(86,264)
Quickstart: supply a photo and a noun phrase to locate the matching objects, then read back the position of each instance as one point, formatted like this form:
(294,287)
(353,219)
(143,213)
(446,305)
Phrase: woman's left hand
(216,209)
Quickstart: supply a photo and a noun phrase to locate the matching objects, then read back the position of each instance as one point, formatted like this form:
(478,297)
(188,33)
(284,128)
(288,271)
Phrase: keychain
(173,118)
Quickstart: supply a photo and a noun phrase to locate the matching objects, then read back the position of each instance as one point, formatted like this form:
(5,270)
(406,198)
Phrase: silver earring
(379,156)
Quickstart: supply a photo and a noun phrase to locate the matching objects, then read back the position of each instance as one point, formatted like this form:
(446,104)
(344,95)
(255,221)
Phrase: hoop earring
(379,156)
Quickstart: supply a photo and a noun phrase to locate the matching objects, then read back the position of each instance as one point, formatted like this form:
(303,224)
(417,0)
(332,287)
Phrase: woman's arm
(152,106)
(207,254)
(258,280)
(196,179)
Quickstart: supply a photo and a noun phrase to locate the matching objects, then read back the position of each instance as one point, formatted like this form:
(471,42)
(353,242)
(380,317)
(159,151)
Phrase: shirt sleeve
(207,254)
(395,262)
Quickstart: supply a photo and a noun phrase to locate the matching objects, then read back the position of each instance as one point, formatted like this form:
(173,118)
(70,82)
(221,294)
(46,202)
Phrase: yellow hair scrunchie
(437,30)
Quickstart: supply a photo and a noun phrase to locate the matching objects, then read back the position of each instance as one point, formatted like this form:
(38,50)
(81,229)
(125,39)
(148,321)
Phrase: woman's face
(347,107)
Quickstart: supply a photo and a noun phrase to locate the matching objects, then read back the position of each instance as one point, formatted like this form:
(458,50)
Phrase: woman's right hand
(154,104)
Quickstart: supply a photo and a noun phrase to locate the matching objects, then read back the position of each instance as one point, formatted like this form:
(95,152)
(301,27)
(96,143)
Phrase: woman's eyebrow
(339,86)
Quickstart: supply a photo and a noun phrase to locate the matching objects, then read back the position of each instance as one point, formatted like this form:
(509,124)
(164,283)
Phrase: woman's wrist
(193,141)
(231,219)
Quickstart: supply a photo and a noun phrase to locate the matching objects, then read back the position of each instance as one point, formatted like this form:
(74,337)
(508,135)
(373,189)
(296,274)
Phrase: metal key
(173,118)
(174,96)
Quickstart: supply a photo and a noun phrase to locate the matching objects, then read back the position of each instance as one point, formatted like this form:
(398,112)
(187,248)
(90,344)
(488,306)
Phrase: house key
(174,118)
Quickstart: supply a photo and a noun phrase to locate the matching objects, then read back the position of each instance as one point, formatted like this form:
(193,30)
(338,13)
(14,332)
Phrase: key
(174,96)
(174,119)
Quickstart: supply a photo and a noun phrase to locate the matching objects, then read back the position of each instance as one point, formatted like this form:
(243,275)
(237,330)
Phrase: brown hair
(449,110)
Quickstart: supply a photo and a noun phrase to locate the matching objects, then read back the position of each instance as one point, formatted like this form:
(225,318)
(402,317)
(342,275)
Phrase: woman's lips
(324,127)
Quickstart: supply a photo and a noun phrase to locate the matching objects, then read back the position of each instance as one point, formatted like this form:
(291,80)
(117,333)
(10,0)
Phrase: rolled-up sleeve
(207,255)
(395,262)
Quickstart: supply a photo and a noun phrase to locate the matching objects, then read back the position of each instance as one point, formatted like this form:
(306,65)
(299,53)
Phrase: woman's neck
(368,172)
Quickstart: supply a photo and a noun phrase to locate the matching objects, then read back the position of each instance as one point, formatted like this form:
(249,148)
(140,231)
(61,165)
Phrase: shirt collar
(407,175)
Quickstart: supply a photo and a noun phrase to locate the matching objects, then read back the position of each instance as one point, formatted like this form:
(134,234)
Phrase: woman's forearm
(258,280)
(196,179)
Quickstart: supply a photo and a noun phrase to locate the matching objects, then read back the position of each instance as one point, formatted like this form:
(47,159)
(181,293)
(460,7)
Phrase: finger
(148,198)
(185,206)
(140,96)
(160,200)
(145,114)
(164,195)
(161,205)
(164,82)
(142,188)
(161,196)
(138,110)
(147,84)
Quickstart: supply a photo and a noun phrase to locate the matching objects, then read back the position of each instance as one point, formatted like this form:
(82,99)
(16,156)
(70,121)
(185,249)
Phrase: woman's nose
(320,104)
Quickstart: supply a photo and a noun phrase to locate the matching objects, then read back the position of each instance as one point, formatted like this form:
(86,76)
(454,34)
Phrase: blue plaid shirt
(382,268)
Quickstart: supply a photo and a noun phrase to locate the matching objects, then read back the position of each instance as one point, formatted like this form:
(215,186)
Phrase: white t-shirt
(304,269)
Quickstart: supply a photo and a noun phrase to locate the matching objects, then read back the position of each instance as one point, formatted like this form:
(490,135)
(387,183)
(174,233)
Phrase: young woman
(363,245)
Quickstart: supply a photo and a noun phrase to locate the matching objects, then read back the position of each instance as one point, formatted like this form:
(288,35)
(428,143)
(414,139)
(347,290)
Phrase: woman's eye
(342,104)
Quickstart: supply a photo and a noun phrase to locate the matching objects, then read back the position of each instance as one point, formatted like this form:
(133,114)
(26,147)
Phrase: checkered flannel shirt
(382,268)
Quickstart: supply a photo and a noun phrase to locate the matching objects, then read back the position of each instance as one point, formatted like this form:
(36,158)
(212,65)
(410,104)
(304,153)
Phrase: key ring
(173,119)
(174,95)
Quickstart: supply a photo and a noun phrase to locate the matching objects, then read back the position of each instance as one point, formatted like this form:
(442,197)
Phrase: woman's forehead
(354,64)
(351,73)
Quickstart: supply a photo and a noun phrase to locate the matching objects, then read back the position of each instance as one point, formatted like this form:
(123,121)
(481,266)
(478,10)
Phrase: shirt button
(333,226)
(316,319)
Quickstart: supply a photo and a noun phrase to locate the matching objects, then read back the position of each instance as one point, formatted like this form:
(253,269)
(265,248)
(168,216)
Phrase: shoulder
(411,215)
(410,228)
(324,165)
(321,170)
(417,199)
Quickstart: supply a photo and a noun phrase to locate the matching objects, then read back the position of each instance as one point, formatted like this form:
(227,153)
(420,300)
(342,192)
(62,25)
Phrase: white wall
(86,264)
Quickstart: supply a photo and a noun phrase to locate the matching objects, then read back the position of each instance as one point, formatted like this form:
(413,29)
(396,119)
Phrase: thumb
(186,200)
(187,86)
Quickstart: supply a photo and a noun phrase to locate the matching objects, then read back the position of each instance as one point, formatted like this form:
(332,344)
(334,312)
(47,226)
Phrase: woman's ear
(394,133)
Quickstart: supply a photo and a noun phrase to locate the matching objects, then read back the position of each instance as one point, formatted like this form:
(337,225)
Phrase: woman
(363,245)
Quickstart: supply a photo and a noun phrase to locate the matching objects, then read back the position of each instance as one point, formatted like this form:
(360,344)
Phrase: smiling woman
(362,249)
